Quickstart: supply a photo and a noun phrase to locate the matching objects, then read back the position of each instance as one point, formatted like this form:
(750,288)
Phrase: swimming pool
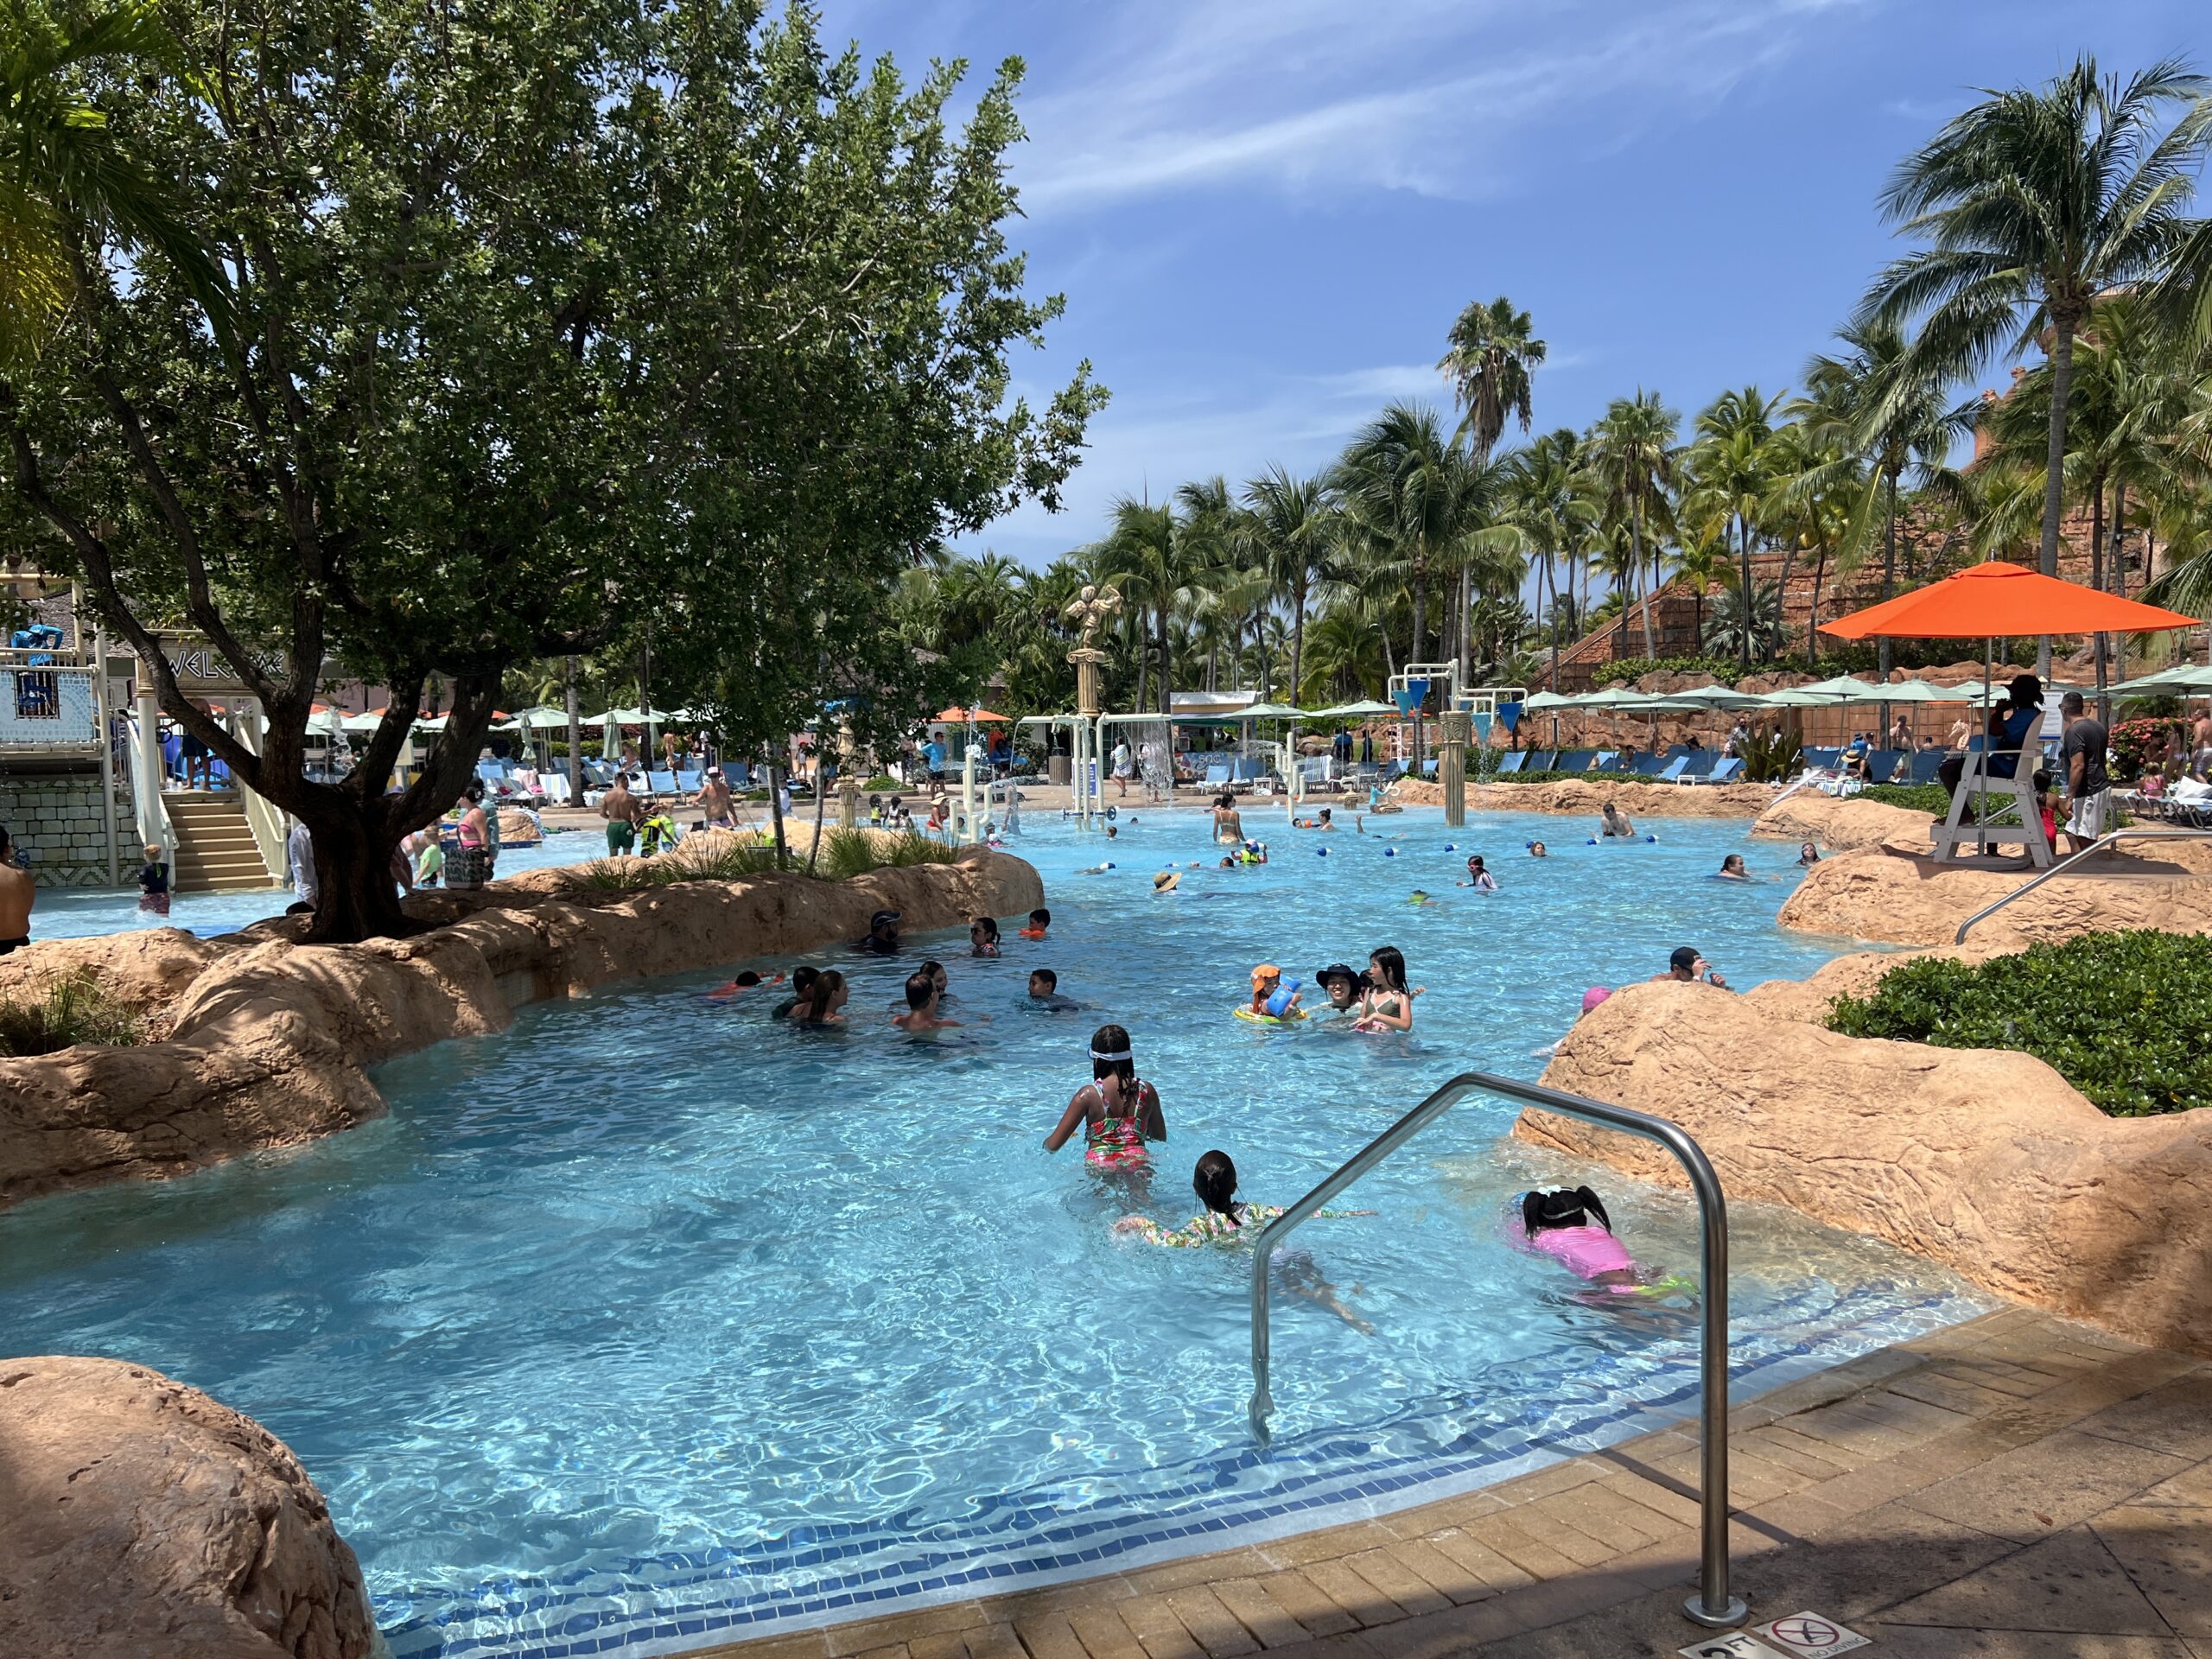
(645,1324)
(82,912)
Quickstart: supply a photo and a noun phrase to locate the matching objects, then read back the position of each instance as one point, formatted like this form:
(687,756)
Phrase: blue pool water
(72,913)
(646,1324)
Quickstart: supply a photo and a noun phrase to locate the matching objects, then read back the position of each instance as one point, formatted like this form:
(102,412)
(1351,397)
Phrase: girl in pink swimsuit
(1117,1110)
(1573,1230)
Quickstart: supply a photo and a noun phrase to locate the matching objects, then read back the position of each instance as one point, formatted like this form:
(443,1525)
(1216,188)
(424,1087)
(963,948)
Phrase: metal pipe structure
(2069,862)
(1713,1606)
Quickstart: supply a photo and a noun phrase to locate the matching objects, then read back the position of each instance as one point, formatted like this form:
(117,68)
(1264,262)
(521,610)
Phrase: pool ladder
(1712,1605)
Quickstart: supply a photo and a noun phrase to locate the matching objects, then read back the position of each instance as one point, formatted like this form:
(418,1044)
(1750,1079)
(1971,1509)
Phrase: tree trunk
(2097,575)
(1635,554)
(1813,622)
(2120,579)
(821,805)
(1167,695)
(356,896)
(1144,668)
(776,813)
(1551,581)
(1882,649)
(575,734)
(2054,488)
(1746,600)
(1297,641)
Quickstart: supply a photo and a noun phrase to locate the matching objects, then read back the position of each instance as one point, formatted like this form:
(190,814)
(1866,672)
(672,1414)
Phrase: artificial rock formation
(1846,825)
(1884,896)
(1986,1161)
(139,1517)
(268,1044)
(1586,798)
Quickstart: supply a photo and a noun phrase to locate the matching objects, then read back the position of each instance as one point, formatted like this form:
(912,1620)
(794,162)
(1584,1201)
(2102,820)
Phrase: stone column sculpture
(1090,608)
(1452,765)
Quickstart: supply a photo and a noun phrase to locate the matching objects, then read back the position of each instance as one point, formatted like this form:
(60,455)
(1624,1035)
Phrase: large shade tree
(2031,204)
(546,320)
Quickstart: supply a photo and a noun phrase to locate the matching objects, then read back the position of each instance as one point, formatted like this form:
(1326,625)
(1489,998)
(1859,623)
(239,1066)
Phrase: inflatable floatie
(1292,1017)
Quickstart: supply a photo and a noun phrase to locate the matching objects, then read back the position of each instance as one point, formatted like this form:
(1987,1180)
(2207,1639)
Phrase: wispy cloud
(1422,95)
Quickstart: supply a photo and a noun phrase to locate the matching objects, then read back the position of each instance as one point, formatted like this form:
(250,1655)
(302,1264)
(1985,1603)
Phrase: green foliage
(1770,757)
(74,1010)
(845,854)
(881,783)
(2140,744)
(2121,1016)
(552,324)
(1728,671)
(1932,798)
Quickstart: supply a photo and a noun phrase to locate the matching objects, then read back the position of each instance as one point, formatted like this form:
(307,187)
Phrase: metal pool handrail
(2069,862)
(1712,1605)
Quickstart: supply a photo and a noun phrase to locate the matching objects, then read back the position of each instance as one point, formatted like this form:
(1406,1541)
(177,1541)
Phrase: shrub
(2137,744)
(1770,757)
(74,1010)
(1932,798)
(2121,1016)
(882,784)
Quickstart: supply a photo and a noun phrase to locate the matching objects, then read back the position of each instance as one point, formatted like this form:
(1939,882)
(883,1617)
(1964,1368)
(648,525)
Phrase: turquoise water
(647,1322)
(73,913)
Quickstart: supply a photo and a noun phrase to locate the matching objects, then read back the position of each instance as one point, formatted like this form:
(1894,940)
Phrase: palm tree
(1550,500)
(1294,524)
(1732,472)
(1409,489)
(1144,555)
(1698,565)
(1632,455)
(1881,404)
(1489,358)
(2033,202)
(61,163)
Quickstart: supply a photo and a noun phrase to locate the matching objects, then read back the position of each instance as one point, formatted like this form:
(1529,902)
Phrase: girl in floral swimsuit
(1117,1110)
(1225,1220)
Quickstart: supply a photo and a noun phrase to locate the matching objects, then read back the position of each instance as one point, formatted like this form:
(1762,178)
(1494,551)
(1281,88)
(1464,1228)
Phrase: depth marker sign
(1735,1645)
(1808,1635)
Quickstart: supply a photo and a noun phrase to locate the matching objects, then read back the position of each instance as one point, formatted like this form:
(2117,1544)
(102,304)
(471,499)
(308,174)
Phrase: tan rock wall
(1846,825)
(140,1518)
(1586,796)
(1985,1160)
(1901,900)
(269,1040)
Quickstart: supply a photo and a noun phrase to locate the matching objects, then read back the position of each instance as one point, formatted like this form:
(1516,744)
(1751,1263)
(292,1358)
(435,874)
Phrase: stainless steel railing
(2069,862)
(1712,1605)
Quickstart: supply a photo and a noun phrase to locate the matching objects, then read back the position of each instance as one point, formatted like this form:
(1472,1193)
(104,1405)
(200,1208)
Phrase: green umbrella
(1365,708)
(1544,701)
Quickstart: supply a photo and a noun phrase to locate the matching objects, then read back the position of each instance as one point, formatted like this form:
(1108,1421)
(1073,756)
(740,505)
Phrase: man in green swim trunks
(621,811)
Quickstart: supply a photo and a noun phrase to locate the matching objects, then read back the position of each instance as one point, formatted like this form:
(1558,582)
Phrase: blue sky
(1266,213)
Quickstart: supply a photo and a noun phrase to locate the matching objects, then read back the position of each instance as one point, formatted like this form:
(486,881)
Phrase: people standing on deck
(620,809)
(18,892)
(299,862)
(1123,766)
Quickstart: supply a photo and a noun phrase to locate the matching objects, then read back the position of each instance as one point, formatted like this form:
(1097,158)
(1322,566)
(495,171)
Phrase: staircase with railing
(216,851)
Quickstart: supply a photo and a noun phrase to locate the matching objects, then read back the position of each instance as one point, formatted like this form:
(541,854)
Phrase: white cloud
(1325,96)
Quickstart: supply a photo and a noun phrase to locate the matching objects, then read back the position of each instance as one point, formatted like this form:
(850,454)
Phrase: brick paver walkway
(2017,1487)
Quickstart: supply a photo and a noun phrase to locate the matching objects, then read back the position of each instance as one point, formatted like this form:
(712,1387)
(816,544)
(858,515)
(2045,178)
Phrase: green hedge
(1932,798)
(2123,1017)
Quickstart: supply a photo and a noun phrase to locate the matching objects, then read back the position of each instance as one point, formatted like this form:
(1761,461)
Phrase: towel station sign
(202,670)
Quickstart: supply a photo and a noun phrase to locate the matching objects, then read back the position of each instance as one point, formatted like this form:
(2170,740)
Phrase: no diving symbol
(1809,1634)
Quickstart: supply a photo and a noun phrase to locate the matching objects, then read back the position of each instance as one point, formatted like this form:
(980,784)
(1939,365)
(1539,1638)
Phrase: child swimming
(745,981)
(983,936)
(1478,876)
(1573,1230)
(1041,921)
(1388,1005)
(1271,998)
(1225,1220)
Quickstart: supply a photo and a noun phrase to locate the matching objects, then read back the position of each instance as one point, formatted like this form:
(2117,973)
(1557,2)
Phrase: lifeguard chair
(1978,785)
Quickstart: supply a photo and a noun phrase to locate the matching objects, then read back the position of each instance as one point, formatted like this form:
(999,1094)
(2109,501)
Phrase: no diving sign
(1800,1636)
(1811,1636)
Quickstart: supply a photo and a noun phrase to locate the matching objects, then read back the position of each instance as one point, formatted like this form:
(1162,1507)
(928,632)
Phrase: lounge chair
(1697,767)
(1673,771)
(1926,764)
(1727,770)
(1574,760)
(1607,760)
(661,783)
(1216,778)
(1650,765)
(1511,761)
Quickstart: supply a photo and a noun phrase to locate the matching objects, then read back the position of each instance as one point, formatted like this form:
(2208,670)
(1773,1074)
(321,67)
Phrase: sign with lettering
(202,671)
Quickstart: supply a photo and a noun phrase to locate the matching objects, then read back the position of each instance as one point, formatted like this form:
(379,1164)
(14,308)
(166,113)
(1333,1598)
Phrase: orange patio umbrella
(1997,600)
(976,716)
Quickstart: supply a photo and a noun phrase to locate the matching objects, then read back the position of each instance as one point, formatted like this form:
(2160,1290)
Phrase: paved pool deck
(2016,1487)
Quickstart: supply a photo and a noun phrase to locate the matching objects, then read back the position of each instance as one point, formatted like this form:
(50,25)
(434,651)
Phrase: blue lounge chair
(1926,765)
(1511,762)
(1697,767)
(1725,771)
(1674,768)
(1574,760)
(1823,759)
(1882,765)
(1650,765)
(1607,760)
(661,783)
(1218,776)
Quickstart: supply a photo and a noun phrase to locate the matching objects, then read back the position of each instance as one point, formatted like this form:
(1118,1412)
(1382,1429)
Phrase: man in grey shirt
(2088,789)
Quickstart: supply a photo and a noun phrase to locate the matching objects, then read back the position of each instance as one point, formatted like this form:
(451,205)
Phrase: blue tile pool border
(666,1603)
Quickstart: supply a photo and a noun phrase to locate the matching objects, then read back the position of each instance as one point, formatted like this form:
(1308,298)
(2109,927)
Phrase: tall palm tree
(1632,455)
(1145,556)
(61,163)
(1409,487)
(1294,524)
(1550,500)
(1732,472)
(2032,203)
(1489,358)
(1884,409)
